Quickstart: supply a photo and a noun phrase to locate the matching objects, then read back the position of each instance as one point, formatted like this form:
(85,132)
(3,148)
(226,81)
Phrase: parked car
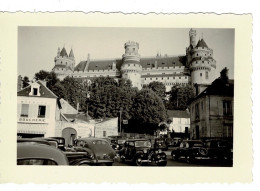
(140,152)
(176,141)
(98,150)
(34,141)
(160,143)
(190,150)
(219,149)
(32,153)
(61,142)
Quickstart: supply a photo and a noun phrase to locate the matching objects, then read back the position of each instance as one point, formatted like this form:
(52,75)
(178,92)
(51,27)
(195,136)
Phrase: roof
(178,113)
(44,91)
(78,117)
(201,43)
(105,120)
(219,87)
(148,62)
(63,52)
(71,53)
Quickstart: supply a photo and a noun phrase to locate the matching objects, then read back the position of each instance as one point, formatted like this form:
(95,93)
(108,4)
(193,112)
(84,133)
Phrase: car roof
(137,140)
(34,151)
(36,141)
(90,139)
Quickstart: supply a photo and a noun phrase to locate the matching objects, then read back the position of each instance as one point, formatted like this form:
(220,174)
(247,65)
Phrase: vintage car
(190,150)
(141,152)
(160,143)
(219,149)
(176,141)
(98,151)
(32,153)
(61,142)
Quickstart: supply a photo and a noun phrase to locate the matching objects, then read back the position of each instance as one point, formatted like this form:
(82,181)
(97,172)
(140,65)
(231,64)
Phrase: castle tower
(201,64)
(192,35)
(64,64)
(131,67)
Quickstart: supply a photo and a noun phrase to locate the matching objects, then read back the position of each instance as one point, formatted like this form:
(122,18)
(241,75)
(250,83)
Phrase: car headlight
(145,150)
(160,150)
(158,156)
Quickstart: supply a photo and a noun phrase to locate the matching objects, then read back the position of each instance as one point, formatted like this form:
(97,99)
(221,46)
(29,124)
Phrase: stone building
(212,110)
(197,66)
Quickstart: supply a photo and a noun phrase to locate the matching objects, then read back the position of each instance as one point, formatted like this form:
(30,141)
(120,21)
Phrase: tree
(147,111)
(25,81)
(71,90)
(179,97)
(107,96)
(159,88)
(51,80)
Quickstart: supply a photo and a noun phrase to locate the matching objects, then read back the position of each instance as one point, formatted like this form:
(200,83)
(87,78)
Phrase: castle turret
(64,64)
(131,67)
(201,64)
(192,35)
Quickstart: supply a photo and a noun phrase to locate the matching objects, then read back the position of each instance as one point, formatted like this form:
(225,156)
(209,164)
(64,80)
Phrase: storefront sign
(32,120)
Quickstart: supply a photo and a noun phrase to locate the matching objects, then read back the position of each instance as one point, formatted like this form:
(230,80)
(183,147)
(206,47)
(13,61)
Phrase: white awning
(31,128)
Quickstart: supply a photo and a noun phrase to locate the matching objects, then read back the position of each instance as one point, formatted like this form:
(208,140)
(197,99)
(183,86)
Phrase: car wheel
(164,163)
(203,151)
(138,161)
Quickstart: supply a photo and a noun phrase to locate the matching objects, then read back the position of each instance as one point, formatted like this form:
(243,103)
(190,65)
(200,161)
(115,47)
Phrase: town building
(212,110)
(41,114)
(106,127)
(36,111)
(180,121)
(196,66)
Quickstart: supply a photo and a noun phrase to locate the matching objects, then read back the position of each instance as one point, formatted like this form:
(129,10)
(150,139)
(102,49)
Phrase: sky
(38,46)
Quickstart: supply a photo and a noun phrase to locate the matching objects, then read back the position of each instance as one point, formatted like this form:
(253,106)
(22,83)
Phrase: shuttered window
(25,110)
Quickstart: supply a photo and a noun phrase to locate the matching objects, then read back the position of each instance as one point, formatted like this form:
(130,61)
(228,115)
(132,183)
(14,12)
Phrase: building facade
(36,111)
(212,111)
(106,127)
(197,66)
(180,121)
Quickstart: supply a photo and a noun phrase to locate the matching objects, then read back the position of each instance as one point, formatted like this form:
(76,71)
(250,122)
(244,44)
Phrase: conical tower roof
(71,53)
(202,44)
(63,52)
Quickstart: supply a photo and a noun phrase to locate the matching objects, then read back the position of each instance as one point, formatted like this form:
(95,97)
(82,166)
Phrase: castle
(196,67)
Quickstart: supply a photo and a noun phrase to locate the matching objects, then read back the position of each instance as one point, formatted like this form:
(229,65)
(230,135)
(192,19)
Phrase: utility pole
(120,120)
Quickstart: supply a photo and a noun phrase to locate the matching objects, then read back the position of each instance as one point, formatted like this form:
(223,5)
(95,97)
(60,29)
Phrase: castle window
(61,62)
(134,64)
(200,74)
(168,78)
(128,64)
(207,75)
(144,78)
(179,77)
(173,77)
(205,54)
(162,78)
(156,78)
(185,77)
(173,63)
(202,61)
(196,62)
(197,54)
(150,78)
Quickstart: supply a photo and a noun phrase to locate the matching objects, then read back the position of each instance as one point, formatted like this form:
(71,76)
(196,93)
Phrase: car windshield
(143,144)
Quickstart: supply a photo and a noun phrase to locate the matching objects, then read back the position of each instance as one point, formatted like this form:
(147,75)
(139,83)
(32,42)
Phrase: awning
(31,128)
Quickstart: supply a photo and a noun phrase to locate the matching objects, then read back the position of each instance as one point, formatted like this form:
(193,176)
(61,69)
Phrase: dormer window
(35,91)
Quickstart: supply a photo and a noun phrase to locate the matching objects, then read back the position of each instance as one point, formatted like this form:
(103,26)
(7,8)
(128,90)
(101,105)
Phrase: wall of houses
(209,117)
(179,124)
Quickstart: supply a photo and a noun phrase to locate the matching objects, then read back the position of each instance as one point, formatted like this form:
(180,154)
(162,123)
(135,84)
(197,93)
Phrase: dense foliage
(179,97)
(106,97)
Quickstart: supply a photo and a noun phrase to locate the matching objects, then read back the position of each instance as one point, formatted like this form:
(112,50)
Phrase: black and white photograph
(118,96)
